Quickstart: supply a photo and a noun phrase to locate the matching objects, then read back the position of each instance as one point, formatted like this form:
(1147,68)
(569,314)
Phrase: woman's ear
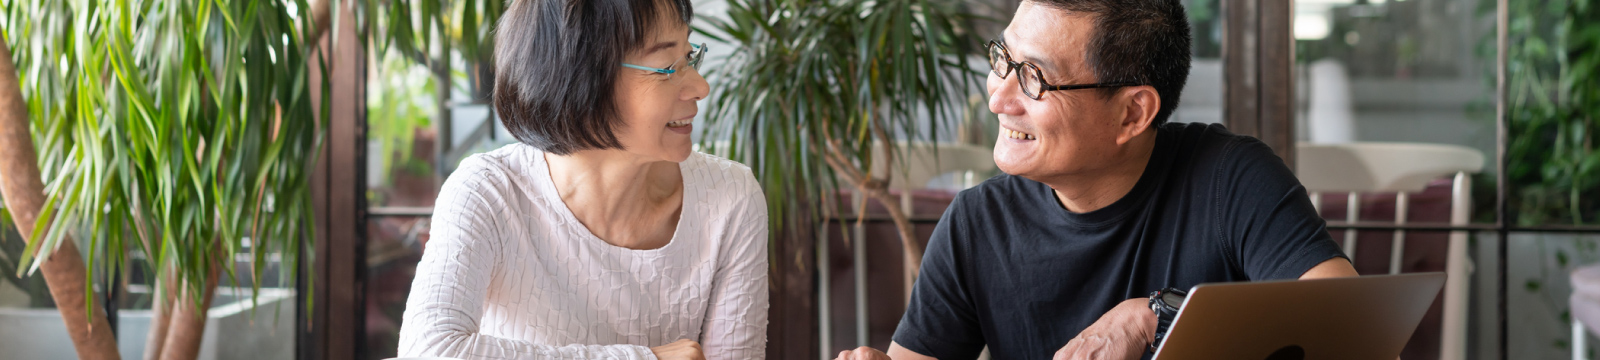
(1140,105)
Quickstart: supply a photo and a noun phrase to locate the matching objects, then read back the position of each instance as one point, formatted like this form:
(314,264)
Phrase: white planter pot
(232,333)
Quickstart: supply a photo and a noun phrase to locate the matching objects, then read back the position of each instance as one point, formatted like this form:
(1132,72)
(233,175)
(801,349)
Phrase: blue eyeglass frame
(695,56)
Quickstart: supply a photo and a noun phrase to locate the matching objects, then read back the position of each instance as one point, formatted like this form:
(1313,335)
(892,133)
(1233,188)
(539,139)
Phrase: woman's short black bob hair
(556,64)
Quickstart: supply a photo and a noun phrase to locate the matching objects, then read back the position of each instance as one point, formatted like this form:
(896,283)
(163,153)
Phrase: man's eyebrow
(1045,64)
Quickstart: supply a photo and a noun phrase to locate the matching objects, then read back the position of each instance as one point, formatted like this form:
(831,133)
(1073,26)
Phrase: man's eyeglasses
(1030,79)
(696,54)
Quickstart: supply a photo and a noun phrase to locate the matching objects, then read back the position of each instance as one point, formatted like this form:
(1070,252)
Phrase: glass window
(1544,295)
(1393,102)
(1388,90)
(394,247)
(1201,100)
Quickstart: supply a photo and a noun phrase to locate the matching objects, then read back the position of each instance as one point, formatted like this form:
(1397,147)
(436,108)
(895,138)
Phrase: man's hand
(683,349)
(1122,333)
(862,353)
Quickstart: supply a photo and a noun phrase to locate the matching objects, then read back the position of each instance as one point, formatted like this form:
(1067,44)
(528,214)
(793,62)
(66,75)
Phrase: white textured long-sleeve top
(509,273)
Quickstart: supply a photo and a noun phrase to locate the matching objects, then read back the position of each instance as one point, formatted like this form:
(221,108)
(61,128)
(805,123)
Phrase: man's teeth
(680,123)
(1017,134)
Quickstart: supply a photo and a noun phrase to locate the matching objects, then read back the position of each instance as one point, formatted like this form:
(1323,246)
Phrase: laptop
(1369,317)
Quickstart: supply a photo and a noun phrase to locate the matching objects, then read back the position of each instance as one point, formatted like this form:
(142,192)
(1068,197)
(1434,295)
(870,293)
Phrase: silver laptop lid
(1369,317)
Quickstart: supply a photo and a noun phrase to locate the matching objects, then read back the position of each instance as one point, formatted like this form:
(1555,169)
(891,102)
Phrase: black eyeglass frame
(1044,86)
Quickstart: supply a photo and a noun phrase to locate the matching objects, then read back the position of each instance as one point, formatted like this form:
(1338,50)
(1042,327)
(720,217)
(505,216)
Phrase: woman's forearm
(442,340)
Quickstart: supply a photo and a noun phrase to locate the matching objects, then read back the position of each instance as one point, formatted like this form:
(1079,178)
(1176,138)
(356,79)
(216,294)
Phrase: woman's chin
(675,148)
(677,154)
(678,158)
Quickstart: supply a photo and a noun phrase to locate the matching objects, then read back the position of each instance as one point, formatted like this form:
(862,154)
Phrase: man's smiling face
(1065,132)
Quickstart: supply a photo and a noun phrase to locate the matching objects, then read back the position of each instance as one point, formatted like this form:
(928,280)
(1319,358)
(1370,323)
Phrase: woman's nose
(696,87)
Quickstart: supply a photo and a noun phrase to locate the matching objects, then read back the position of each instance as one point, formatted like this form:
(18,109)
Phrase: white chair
(1402,168)
(1584,305)
(925,161)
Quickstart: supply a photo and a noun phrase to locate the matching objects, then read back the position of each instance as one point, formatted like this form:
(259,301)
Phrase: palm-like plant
(412,29)
(179,130)
(813,85)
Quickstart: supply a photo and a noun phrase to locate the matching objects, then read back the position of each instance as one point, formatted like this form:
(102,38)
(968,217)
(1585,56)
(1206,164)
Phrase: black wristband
(1165,303)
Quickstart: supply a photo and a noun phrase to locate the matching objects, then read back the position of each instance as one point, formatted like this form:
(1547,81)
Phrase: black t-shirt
(1010,268)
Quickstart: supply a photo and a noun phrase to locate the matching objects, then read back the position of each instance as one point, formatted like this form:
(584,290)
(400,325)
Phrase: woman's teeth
(1017,134)
(680,123)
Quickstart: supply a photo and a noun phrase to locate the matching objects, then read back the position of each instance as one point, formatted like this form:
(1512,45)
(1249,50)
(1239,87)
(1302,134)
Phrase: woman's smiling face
(656,110)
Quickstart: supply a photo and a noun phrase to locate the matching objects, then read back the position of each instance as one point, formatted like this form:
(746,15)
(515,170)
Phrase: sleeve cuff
(1294,269)
(919,343)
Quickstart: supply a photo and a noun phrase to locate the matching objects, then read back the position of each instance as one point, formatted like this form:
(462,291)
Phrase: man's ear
(1140,104)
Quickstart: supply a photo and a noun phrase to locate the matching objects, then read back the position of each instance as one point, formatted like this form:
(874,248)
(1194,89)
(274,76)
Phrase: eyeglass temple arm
(1089,86)
(663,71)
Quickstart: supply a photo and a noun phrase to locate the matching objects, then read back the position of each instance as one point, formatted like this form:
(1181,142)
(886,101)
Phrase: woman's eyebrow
(660,46)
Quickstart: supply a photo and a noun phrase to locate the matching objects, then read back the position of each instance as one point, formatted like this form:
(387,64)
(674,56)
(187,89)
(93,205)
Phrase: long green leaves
(181,130)
(813,79)
(1553,108)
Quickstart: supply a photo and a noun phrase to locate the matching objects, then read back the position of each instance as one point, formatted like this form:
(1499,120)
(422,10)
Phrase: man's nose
(1003,94)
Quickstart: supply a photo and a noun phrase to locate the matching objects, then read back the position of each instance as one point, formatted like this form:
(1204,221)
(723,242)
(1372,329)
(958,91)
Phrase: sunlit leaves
(808,73)
(181,130)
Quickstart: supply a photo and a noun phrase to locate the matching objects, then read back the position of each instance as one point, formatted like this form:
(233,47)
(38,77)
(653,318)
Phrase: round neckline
(1155,169)
(548,190)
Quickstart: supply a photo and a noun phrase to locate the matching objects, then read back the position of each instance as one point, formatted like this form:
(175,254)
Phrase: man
(1102,202)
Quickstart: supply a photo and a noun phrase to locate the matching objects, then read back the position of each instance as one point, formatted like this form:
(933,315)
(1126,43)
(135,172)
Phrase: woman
(601,234)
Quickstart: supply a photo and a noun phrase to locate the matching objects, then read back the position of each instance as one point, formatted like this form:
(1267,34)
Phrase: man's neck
(1096,190)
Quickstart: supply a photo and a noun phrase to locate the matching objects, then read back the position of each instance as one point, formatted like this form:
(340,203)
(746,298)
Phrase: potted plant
(811,86)
(180,131)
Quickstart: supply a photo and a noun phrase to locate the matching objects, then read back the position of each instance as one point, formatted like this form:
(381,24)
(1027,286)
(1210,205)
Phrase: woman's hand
(683,349)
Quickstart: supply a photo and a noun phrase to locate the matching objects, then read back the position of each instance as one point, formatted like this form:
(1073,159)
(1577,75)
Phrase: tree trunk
(319,19)
(908,240)
(161,316)
(23,190)
(879,190)
(188,325)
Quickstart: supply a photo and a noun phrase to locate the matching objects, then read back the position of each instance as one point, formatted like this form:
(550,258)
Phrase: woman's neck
(623,199)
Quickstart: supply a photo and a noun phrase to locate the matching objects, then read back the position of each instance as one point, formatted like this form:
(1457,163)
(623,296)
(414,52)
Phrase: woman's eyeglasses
(1030,79)
(696,54)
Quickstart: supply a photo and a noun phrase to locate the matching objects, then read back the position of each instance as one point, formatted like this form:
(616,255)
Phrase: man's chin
(1013,160)
(1013,169)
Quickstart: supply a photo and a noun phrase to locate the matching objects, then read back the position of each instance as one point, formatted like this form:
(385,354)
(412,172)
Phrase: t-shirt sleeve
(1265,218)
(941,321)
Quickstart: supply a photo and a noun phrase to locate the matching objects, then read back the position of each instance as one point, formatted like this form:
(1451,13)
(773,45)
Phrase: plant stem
(188,317)
(23,190)
(161,314)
